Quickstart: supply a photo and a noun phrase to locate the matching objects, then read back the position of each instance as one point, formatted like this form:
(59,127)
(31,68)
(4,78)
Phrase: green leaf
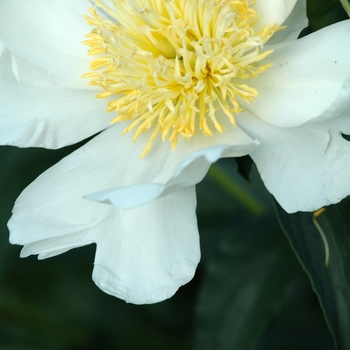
(244,284)
(311,237)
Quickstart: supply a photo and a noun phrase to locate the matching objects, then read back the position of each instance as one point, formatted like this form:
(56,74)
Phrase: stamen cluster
(173,65)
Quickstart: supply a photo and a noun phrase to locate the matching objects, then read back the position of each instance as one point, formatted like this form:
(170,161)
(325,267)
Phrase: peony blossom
(169,87)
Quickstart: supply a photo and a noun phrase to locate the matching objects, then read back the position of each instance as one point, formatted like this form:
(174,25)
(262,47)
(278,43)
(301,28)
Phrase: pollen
(175,68)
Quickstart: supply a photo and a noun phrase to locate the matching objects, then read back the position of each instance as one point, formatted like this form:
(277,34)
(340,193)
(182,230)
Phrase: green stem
(236,191)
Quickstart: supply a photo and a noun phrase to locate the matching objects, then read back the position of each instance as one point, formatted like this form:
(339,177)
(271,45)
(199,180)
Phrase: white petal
(45,115)
(143,256)
(273,12)
(48,34)
(51,217)
(171,170)
(154,251)
(305,78)
(294,24)
(46,248)
(190,171)
(305,167)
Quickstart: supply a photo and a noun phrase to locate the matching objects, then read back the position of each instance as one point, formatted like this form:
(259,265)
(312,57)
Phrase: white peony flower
(215,78)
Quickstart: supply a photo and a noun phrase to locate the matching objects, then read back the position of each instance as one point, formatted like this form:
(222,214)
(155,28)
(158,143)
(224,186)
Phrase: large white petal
(154,251)
(142,256)
(48,34)
(305,167)
(45,115)
(305,78)
(294,24)
(273,11)
(51,217)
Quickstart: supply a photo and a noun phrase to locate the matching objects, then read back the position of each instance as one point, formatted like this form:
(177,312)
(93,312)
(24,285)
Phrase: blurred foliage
(322,244)
(245,283)
(250,291)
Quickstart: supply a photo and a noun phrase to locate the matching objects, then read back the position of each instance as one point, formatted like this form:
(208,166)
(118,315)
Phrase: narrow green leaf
(313,237)
(243,286)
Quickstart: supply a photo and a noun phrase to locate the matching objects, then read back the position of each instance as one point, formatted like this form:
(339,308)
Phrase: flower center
(176,67)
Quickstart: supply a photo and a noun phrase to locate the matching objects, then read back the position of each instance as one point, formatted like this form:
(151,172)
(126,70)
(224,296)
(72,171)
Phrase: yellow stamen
(176,67)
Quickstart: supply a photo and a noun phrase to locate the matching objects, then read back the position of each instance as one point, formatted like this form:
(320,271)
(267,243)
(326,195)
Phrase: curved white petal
(142,256)
(305,78)
(190,171)
(49,35)
(155,251)
(51,216)
(171,170)
(305,167)
(273,11)
(45,115)
(48,247)
(294,24)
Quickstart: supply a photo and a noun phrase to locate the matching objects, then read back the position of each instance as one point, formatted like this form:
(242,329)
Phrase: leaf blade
(332,283)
